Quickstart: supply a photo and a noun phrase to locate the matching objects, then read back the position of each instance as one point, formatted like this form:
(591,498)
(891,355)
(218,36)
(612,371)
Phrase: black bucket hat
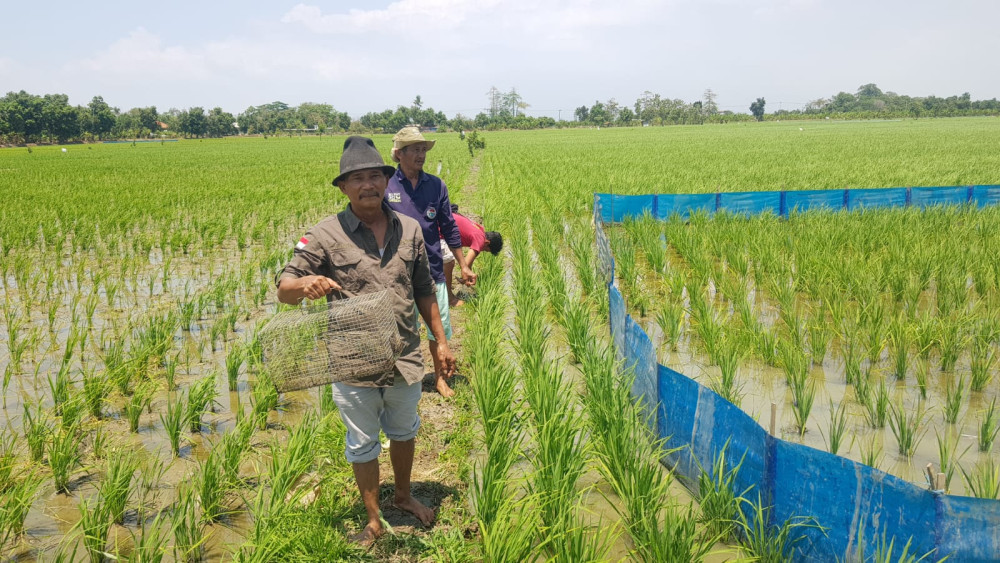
(359,154)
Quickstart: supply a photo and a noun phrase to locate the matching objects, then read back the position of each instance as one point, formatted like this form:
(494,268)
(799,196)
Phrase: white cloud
(142,52)
(423,17)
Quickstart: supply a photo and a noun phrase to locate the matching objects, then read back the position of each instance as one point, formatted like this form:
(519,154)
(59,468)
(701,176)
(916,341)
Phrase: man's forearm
(459,257)
(428,308)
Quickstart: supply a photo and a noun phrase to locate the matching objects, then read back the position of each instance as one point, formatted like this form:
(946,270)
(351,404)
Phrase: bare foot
(442,387)
(367,537)
(414,507)
(456,302)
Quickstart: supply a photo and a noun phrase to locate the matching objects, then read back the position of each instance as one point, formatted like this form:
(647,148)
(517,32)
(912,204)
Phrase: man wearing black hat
(366,248)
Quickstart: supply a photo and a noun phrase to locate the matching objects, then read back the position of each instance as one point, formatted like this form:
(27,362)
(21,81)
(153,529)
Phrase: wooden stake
(774,416)
(931,478)
(940,483)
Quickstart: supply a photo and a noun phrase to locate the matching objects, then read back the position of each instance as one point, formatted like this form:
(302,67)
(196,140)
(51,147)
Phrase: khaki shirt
(341,248)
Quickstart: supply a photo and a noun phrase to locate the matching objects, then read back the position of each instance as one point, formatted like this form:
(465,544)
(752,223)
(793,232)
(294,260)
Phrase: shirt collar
(353,222)
(402,177)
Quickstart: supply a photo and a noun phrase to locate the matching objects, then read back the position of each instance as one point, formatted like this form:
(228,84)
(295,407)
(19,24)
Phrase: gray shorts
(366,410)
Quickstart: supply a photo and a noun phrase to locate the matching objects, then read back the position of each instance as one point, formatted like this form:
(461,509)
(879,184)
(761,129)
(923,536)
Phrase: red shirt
(473,234)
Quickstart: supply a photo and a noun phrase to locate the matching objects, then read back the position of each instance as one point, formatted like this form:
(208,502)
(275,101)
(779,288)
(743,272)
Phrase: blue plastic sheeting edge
(616,208)
(876,197)
(750,203)
(986,195)
(683,205)
(641,360)
(797,201)
(926,197)
(616,310)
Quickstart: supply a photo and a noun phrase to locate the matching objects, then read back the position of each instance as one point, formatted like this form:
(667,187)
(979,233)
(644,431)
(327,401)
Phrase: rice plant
(16,497)
(234,361)
(729,355)
(670,319)
(983,360)
(876,405)
(212,486)
(989,426)
(899,345)
(984,481)
(94,524)
(139,400)
(951,340)
(954,395)
(768,542)
(884,551)
(186,524)
(948,456)
(116,485)
(95,391)
(871,451)
(264,398)
(232,448)
(837,427)
(59,387)
(820,333)
(64,457)
(920,372)
(151,545)
(201,395)
(37,429)
(718,500)
(803,397)
(173,422)
(906,426)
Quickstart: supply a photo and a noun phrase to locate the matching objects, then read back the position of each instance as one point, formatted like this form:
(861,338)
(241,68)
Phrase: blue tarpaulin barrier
(683,204)
(750,203)
(616,208)
(926,197)
(876,197)
(805,200)
(986,195)
(854,503)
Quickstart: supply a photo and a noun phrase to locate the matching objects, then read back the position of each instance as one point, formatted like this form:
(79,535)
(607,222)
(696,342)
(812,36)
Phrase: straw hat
(410,135)
(360,154)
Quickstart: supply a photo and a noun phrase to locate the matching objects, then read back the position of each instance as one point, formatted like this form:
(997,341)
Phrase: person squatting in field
(424,197)
(476,238)
(366,248)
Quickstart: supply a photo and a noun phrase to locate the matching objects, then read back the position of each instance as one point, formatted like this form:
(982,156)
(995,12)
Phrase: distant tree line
(870,102)
(28,118)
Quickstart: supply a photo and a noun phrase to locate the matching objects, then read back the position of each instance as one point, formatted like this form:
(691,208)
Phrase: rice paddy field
(138,421)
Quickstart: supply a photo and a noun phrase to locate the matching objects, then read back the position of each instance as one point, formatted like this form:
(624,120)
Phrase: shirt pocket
(348,270)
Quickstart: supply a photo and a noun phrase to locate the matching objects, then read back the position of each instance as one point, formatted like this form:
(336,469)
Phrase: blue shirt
(427,203)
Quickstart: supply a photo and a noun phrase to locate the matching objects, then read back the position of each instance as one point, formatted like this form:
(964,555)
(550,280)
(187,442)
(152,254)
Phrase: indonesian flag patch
(302,243)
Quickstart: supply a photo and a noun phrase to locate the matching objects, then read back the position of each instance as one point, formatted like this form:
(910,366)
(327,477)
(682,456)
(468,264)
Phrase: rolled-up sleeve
(446,221)
(306,261)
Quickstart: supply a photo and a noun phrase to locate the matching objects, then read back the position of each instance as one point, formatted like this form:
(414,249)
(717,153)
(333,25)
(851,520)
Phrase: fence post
(909,197)
(847,193)
(783,207)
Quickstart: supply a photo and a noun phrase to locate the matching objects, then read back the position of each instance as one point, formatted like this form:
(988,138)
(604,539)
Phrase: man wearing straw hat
(417,194)
(366,248)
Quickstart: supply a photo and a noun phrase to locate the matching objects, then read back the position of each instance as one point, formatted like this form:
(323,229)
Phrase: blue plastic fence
(615,208)
(854,502)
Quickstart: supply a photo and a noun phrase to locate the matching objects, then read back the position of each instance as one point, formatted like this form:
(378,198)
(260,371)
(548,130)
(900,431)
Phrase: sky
(558,54)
